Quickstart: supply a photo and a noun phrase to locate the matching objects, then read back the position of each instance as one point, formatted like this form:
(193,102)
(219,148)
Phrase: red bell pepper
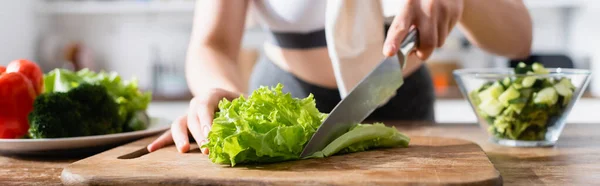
(31,70)
(17,93)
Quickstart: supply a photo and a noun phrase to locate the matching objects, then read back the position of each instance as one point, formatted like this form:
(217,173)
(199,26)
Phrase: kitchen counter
(575,160)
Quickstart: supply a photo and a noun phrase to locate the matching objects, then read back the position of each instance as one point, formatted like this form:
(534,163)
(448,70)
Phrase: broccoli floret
(55,115)
(98,109)
(83,111)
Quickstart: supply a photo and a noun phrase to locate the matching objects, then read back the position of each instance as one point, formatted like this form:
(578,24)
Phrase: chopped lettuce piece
(506,82)
(363,137)
(564,87)
(510,94)
(518,107)
(493,92)
(546,96)
(491,107)
(539,68)
(528,81)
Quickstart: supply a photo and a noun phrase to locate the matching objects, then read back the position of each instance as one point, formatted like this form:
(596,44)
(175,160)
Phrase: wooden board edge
(497,180)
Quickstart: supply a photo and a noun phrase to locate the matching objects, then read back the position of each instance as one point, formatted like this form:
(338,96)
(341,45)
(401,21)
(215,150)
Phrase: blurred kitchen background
(147,39)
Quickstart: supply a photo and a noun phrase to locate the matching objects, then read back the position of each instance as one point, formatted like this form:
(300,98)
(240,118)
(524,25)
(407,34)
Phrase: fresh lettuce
(272,126)
(364,137)
(130,99)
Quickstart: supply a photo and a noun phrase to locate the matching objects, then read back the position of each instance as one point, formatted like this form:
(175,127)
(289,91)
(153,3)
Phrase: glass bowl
(526,120)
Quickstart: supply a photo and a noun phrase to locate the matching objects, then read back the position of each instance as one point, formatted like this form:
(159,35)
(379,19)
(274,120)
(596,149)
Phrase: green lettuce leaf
(364,137)
(125,93)
(270,126)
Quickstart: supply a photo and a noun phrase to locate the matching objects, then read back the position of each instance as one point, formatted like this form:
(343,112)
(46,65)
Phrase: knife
(372,91)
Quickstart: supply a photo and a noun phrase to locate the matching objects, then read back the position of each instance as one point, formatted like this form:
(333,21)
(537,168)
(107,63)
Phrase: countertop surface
(575,160)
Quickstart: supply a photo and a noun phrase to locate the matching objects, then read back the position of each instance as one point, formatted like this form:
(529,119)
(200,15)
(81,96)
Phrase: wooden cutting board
(427,161)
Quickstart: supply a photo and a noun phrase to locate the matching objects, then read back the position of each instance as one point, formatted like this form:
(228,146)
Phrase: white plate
(72,144)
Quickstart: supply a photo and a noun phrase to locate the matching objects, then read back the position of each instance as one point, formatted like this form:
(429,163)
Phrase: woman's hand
(197,121)
(434,19)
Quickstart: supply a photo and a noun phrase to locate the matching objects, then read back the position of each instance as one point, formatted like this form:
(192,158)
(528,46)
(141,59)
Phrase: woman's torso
(297,39)
(302,17)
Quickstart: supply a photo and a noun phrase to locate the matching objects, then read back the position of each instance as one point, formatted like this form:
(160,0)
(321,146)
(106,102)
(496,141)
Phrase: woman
(302,64)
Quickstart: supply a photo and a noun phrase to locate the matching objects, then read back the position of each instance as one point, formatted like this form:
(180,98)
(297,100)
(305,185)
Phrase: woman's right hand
(197,121)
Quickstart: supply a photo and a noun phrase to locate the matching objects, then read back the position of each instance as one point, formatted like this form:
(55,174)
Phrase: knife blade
(373,90)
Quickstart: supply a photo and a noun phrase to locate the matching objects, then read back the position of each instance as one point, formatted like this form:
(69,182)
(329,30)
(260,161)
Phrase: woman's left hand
(434,19)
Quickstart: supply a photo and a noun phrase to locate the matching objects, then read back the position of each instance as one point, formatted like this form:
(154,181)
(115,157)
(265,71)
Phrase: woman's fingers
(204,150)
(207,107)
(204,112)
(193,121)
(407,17)
(434,20)
(198,121)
(428,38)
(163,140)
(398,30)
(442,27)
(179,131)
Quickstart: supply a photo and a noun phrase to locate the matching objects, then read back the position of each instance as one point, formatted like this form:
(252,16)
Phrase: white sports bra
(297,16)
(301,16)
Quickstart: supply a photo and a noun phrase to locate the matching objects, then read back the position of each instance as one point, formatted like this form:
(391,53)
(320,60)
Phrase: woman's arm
(502,27)
(211,70)
(214,46)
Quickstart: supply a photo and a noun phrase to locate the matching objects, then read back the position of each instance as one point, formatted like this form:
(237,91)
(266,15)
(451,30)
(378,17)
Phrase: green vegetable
(528,81)
(564,88)
(82,111)
(517,107)
(506,82)
(493,92)
(522,68)
(510,94)
(271,126)
(538,68)
(546,96)
(491,107)
(126,93)
(527,107)
(363,137)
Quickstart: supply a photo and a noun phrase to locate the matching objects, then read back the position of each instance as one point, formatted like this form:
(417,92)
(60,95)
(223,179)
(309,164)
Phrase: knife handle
(410,42)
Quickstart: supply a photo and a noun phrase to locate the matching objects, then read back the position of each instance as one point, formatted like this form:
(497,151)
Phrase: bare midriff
(313,65)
